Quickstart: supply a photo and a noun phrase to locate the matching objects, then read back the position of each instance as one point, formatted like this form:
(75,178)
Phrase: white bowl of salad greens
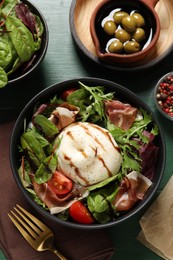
(24,40)
(87,153)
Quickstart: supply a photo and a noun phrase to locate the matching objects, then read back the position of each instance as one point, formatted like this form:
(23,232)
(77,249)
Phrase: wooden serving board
(80,14)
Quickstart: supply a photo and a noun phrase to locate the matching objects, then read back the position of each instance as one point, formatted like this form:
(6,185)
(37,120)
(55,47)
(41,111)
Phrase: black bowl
(124,95)
(19,75)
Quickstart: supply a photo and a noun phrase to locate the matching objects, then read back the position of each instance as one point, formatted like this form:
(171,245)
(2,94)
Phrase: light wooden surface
(83,11)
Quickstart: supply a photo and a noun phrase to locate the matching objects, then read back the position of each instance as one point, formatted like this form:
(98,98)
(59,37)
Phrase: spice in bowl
(164,95)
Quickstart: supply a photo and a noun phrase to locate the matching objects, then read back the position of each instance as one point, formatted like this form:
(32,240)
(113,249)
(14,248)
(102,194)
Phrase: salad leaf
(32,148)
(21,37)
(130,141)
(102,183)
(39,26)
(24,174)
(36,198)
(47,146)
(155,130)
(8,7)
(45,126)
(45,170)
(5,52)
(78,98)
(90,100)
(3,78)
(99,203)
(137,148)
(17,63)
(24,14)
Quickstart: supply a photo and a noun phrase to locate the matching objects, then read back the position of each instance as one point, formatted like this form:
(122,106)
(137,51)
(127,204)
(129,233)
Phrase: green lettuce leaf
(45,170)
(99,203)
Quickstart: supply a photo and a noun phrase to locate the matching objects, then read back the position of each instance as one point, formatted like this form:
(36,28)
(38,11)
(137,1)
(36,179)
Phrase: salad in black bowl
(24,40)
(87,153)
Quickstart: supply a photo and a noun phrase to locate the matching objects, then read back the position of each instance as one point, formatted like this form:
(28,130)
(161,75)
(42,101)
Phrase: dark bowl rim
(50,91)
(87,54)
(43,49)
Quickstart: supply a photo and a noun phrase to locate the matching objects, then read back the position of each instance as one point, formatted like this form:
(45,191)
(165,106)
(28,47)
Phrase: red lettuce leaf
(148,154)
(24,14)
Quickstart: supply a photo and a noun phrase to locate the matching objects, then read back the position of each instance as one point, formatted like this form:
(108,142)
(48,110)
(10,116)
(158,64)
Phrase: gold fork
(38,235)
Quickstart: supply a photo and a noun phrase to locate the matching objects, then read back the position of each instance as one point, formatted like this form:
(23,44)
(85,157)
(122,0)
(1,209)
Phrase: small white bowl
(163,95)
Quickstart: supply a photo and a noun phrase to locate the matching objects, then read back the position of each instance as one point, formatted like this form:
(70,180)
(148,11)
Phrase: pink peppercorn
(164,95)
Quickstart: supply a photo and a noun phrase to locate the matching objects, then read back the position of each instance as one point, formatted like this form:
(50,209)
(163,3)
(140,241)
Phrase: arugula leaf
(131,161)
(90,100)
(130,141)
(155,130)
(56,101)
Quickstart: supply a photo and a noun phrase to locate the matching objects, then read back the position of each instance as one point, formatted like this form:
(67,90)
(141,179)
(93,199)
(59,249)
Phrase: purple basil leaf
(148,155)
(24,14)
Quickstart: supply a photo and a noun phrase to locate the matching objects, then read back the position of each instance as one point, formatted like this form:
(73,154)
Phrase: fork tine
(25,226)
(22,230)
(34,219)
(26,223)
(31,224)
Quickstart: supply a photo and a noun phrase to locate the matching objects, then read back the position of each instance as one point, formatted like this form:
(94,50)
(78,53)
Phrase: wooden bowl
(152,25)
(80,16)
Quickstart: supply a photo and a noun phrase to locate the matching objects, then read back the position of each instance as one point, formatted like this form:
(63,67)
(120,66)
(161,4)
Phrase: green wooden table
(63,62)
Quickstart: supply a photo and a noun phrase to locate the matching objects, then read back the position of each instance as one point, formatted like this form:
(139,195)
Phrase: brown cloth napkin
(157,224)
(73,243)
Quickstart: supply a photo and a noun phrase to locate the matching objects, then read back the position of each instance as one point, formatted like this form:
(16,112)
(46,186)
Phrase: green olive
(109,27)
(118,16)
(131,47)
(128,23)
(139,19)
(138,35)
(115,47)
(122,35)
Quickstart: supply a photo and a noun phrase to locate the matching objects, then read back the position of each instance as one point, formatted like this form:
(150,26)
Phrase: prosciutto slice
(64,115)
(132,189)
(53,202)
(120,114)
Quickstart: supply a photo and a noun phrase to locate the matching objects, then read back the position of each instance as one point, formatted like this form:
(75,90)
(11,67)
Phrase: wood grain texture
(83,11)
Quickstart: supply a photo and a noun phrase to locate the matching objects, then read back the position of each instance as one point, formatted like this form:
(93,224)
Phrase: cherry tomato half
(60,184)
(67,92)
(80,213)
